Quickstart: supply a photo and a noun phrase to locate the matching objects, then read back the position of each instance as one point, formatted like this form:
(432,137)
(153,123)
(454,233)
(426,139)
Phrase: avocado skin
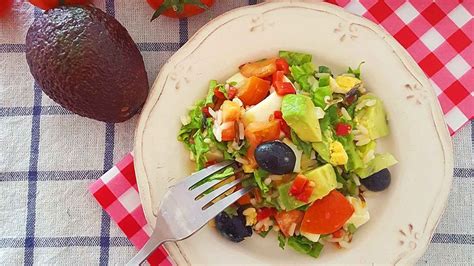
(86,61)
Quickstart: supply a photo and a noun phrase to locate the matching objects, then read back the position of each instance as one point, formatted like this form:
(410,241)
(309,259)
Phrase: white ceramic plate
(403,217)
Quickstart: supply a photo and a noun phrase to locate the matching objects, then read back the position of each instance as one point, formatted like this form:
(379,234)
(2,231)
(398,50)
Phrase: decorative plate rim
(409,257)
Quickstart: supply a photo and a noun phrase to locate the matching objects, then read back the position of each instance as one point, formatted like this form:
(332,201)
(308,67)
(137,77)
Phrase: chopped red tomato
(285,221)
(205,111)
(278,115)
(298,185)
(343,129)
(338,234)
(219,94)
(278,76)
(306,193)
(265,212)
(209,163)
(232,93)
(229,133)
(328,214)
(284,88)
(254,91)
(260,69)
(282,65)
(283,125)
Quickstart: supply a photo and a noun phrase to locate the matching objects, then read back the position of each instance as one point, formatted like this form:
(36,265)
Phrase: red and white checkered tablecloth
(438,35)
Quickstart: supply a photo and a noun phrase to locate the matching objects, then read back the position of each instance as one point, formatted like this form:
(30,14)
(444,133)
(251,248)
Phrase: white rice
(319,112)
(363,141)
(356,180)
(370,102)
(237,101)
(227,125)
(219,118)
(292,229)
(241,131)
(267,181)
(241,160)
(275,177)
(207,141)
(369,156)
(212,113)
(345,114)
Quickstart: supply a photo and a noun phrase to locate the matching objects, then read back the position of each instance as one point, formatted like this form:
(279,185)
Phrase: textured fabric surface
(49,157)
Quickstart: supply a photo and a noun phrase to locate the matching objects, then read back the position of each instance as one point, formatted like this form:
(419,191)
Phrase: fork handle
(151,245)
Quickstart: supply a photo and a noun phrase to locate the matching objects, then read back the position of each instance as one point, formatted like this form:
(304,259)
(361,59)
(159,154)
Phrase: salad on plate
(304,137)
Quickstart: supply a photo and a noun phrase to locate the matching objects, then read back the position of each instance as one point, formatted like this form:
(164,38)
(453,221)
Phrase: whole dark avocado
(86,61)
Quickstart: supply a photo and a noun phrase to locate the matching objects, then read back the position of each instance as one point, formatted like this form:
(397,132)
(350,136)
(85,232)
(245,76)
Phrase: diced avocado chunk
(299,112)
(380,162)
(370,113)
(322,148)
(325,179)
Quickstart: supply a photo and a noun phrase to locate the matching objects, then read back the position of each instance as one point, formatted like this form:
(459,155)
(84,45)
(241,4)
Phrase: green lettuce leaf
(305,246)
(229,171)
(295,58)
(259,176)
(300,144)
(319,93)
(303,75)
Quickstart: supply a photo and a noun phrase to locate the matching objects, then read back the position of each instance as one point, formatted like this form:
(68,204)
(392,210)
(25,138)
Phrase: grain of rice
(276,228)
(253,202)
(191,156)
(339,185)
(241,160)
(207,140)
(276,177)
(267,181)
(238,101)
(370,102)
(226,86)
(227,125)
(212,113)
(292,229)
(344,244)
(363,142)
(241,131)
(363,129)
(272,89)
(345,114)
(369,156)
(327,99)
(319,112)
(356,180)
(219,117)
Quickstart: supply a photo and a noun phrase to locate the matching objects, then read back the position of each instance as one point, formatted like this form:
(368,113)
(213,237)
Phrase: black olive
(233,228)
(378,181)
(275,157)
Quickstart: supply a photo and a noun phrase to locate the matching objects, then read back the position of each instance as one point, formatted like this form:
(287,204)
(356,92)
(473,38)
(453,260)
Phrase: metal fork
(183,210)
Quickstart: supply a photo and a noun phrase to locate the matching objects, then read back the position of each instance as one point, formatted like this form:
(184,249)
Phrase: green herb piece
(324,69)
(231,210)
(356,71)
(351,228)
(281,240)
(265,233)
